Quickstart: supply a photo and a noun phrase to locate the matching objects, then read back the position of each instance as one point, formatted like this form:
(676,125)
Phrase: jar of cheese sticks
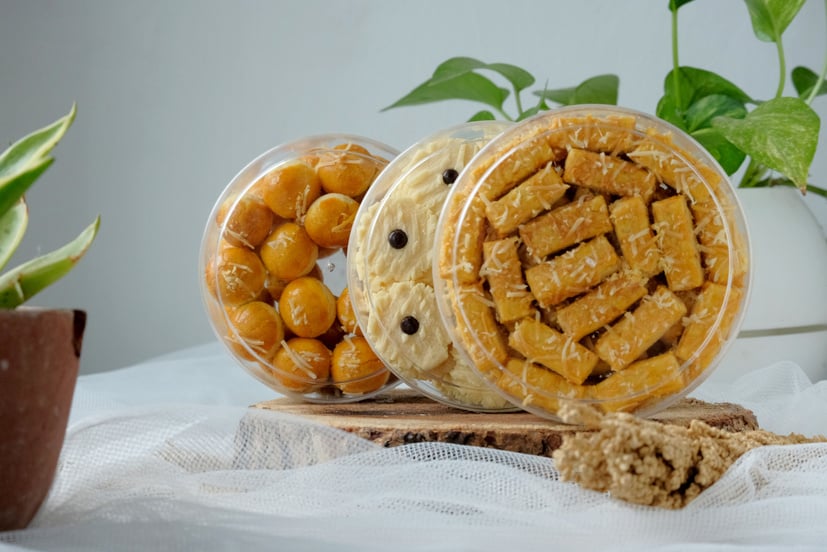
(592,254)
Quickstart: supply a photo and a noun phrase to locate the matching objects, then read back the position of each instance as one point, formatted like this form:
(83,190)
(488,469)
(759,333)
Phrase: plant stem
(810,188)
(753,174)
(782,68)
(519,103)
(505,115)
(675,63)
(815,189)
(755,171)
(817,85)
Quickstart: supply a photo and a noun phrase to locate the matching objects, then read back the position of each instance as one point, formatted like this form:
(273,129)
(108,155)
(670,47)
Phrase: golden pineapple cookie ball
(209,276)
(288,252)
(289,190)
(346,314)
(275,286)
(302,364)
(355,367)
(236,276)
(256,332)
(249,222)
(329,219)
(349,170)
(307,307)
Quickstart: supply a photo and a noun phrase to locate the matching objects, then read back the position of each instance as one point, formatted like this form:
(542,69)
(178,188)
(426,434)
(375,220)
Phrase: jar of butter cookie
(592,254)
(390,268)
(273,268)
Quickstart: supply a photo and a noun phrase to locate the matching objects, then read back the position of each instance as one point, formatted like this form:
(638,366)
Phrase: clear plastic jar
(592,254)
(390,274)
(274,272)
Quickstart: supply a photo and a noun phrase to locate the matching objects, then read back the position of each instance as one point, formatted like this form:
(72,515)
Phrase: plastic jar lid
(390,274)
(594,255)
(274,271)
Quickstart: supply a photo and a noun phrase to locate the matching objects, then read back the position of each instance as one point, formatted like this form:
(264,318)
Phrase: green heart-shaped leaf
(781,134)
(690,84)
(804,80)
(465,86)
(700,114)
(601,89)
(562,96)
(667,110)
(530,112)
(770,18)
(727,155)
(675,4)
(483,115)
(455,67)
(519,78)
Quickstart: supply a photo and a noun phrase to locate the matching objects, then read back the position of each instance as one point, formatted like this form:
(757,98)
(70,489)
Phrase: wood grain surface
(401,417)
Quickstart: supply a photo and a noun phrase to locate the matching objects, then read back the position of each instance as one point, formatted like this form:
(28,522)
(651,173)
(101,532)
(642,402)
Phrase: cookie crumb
(646,462)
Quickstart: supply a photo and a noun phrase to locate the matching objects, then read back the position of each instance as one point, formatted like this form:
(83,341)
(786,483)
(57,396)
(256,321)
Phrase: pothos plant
(20,166)
(776,137)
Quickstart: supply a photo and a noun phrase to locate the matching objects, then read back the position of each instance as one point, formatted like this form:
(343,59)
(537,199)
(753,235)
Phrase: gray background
(175,97)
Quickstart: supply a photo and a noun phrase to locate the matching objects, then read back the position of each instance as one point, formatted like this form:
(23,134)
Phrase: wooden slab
(401,417)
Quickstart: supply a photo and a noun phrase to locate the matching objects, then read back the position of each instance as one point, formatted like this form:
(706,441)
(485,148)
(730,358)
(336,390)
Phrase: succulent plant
(20,166)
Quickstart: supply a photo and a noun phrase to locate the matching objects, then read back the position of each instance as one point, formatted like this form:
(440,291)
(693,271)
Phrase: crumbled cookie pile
(650,463)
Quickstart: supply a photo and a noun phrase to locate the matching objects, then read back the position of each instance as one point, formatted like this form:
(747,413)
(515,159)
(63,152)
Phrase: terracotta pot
(39,357)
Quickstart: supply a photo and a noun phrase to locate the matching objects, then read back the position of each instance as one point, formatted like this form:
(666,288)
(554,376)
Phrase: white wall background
(174,97)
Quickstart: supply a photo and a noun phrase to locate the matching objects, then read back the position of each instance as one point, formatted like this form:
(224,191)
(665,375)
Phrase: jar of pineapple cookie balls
(594,255)
(273,268)
(390,275)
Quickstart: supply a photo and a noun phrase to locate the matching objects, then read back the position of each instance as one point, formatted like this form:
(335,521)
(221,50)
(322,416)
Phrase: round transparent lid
(390,275)
(273,269)
(595,255)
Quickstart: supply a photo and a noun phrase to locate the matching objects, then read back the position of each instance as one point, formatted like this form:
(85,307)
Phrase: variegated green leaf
(781,134)
(21,283)
(805,80)
(12,228)
(770,18)
(31,149)
(13,186)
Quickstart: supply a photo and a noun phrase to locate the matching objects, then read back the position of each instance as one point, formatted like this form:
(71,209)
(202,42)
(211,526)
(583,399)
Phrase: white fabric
(164,456)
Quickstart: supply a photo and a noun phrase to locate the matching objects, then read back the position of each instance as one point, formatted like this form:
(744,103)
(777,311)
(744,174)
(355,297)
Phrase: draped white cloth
(165,456)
